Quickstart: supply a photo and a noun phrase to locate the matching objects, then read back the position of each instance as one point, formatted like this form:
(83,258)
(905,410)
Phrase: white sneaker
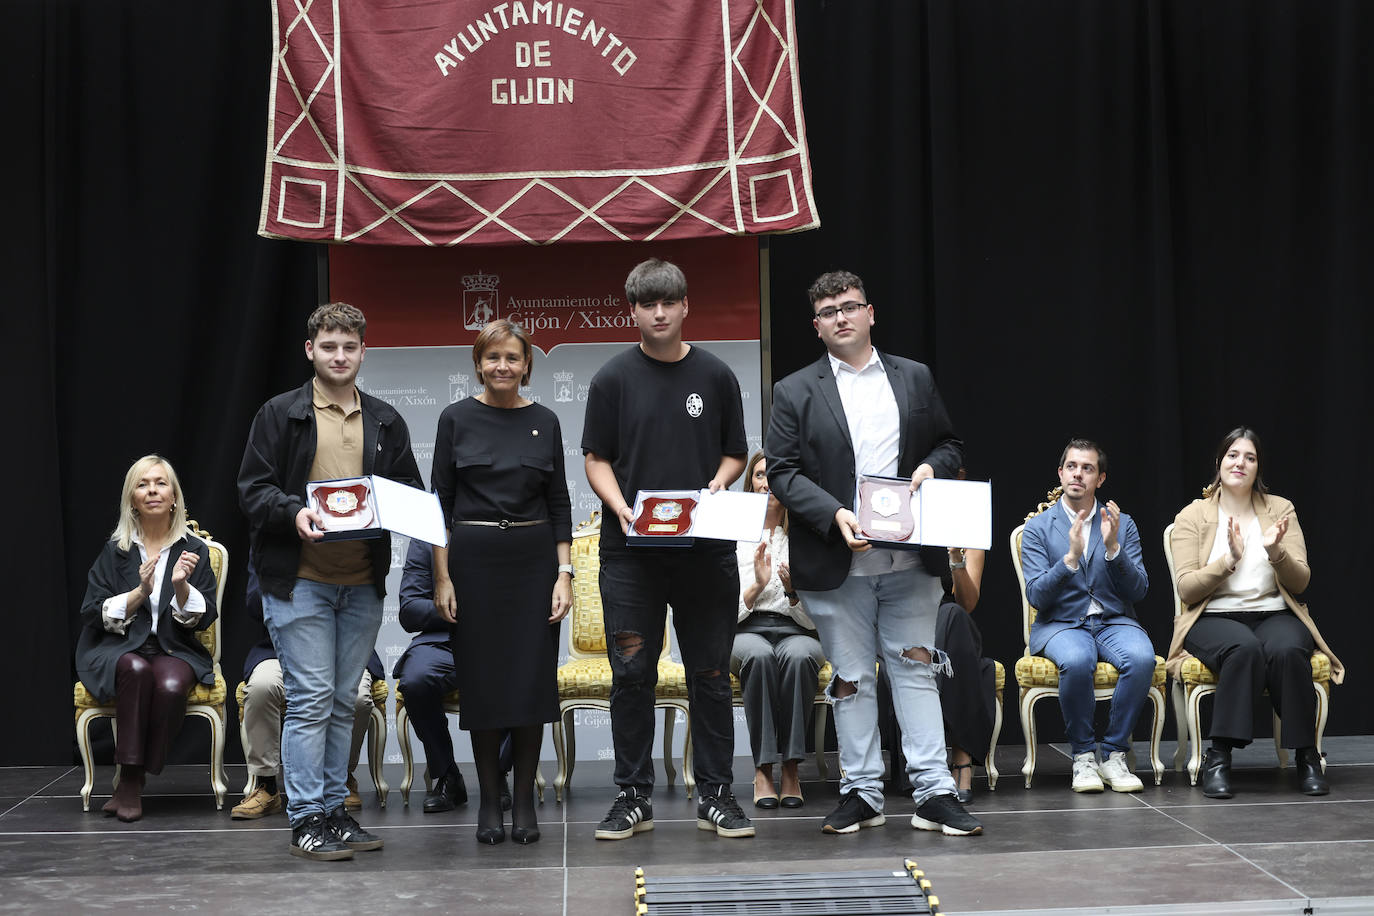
(1085,778)
(1116,774)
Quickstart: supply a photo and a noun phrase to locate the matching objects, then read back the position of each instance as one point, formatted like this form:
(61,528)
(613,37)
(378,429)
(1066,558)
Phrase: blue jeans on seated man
(1122,643)
(869,617)
(323,635)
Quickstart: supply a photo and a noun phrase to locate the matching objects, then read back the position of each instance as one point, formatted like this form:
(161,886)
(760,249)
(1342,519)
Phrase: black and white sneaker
(347,831)
(945,814)
(630,813)
(853,812)
(721,813)
(312,839)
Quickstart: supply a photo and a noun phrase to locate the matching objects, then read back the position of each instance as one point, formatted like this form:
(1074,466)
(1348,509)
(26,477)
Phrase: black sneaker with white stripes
(312,839)
(630,813)
(347,831)
(721,813)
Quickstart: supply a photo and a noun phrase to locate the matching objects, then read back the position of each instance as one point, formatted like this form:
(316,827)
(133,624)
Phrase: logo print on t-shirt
(694,405)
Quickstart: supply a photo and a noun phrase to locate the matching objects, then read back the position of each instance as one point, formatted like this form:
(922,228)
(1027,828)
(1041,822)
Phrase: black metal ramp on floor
(838,893)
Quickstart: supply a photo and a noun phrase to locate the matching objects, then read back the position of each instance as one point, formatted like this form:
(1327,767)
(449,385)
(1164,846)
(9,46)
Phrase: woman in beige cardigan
(1240,557)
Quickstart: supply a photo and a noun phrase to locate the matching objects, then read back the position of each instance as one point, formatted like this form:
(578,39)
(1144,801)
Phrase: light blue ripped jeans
(869,617)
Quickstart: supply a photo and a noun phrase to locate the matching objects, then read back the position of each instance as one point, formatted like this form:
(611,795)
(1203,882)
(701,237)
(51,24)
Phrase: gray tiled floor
(1268,850)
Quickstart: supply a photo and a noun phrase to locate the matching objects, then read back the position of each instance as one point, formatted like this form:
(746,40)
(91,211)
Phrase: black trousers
(1251,652)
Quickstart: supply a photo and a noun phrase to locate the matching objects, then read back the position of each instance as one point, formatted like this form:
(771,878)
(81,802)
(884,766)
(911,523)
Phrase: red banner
(559,294)
(400,122)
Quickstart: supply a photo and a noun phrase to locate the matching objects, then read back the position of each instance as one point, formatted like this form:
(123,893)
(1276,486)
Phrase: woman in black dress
(147,593)
(505,578)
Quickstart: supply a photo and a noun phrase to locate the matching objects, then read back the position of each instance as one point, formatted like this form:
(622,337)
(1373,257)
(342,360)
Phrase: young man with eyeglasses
(665,415)
(857,411)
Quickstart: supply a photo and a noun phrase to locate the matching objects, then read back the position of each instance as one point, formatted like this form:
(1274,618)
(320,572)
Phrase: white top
(115,611)
(870,409)
(771,598)
(1252,587)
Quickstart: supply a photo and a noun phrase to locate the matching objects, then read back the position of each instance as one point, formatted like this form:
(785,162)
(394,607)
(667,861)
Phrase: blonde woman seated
(147,593)
(776,654)
(1240,558)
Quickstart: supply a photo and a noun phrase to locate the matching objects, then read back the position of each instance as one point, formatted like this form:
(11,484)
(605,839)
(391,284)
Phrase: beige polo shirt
(338,453)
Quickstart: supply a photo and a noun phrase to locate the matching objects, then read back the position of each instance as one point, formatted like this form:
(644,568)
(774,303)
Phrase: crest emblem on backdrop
(481,300)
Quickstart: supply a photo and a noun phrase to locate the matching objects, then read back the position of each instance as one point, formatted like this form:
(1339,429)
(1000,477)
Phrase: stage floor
(1268,850)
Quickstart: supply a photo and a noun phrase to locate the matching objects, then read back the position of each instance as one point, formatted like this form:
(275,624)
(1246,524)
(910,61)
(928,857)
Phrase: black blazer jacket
(114,572)
(811,458)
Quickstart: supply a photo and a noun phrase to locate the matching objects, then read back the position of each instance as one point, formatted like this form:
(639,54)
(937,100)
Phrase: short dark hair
(493,333)
(1086,445)
(834,283)
(653,280)
(1240,432)
(336,316)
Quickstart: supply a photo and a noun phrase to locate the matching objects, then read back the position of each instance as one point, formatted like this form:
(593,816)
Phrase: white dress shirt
(115,609)
(870,410)
(771,598)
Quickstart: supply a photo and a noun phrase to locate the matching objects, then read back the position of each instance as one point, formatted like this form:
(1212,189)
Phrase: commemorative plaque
(885,508)
(351,508)
(677,518)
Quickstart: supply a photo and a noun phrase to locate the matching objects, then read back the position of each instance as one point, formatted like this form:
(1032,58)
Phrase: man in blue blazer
(857,411)
(1084,573)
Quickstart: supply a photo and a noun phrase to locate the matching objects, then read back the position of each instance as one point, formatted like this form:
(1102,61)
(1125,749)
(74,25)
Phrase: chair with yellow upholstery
(1038,677)
(1198,682)
(208,702)
(584,680)
(452,708)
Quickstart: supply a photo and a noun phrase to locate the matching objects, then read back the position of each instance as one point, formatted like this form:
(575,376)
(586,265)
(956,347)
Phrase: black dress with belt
(493,464)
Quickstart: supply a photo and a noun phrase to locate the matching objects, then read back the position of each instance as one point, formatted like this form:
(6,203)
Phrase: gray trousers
(777,662)
(264,701)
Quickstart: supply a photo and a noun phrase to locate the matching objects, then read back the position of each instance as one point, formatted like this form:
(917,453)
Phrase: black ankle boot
(448,793)
(1311,780)
(1216,773)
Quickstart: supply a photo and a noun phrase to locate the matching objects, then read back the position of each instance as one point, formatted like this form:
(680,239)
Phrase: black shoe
(347,831)
(945,814)
(1216,773)
(1311,780)
(630,813)
(505,793)
(525,835)
(312,839)
(721,812)
(852,814)
(449,792)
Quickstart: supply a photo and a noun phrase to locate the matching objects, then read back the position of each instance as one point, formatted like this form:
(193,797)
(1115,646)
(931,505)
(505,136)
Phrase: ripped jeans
(869,617)
(702,585)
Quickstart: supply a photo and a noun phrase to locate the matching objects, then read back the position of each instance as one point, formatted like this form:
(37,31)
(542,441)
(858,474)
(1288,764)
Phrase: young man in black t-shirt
(666,416)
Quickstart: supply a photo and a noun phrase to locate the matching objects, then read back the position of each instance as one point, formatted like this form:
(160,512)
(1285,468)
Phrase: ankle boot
(1310,779)
(1216,773)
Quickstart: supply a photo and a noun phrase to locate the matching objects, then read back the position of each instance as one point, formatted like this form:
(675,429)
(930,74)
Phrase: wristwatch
(567,568)
(963,558)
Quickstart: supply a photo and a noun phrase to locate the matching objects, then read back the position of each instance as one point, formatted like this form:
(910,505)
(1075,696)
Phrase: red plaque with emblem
(347,506)
(664,518)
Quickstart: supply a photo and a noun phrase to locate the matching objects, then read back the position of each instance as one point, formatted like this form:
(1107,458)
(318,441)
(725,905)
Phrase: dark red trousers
(150,704)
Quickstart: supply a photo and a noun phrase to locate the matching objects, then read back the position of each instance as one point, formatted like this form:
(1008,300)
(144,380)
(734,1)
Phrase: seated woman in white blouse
(776,655)
(147,593)
(1240,557)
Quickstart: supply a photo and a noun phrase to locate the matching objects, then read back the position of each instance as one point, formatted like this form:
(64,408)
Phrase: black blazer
(114,572)
(811,458)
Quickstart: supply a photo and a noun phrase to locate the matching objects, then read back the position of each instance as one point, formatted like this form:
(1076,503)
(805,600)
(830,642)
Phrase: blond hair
(129,524)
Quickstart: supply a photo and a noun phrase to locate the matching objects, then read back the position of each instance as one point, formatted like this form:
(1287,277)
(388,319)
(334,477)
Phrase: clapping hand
(1076,538)
(146,573)
(785,577)
(184,565)
(763,564)
(1111,524)
(1235,541)
(1273,536)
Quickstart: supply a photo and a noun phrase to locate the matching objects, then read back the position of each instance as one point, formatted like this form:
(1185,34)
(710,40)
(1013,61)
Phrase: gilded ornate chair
(376,738)
(1198,682)
(584,680)
(201,700)
(451,707)
(1038,677)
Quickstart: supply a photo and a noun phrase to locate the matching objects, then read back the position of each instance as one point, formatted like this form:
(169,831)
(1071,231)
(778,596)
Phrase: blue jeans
(872,617)
(323,634)
(1122,643)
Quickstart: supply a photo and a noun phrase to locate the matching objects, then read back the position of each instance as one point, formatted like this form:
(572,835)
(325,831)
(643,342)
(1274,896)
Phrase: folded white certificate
(953,513)
(728,515)
(410,511)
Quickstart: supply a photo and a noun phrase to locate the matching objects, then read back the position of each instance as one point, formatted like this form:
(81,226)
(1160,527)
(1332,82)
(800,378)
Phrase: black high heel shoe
(487,832)
(525,835)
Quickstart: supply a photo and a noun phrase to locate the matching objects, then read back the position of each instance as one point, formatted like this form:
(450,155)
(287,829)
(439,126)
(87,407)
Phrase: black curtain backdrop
(1142,222)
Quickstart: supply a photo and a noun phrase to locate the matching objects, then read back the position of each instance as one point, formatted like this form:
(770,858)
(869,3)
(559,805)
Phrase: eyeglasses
(849,308)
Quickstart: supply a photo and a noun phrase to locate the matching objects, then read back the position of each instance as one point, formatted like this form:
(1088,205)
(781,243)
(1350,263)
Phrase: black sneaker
(630,813)
(347,831)
(721,813)
(312,839)
(945,814)
(853,812)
